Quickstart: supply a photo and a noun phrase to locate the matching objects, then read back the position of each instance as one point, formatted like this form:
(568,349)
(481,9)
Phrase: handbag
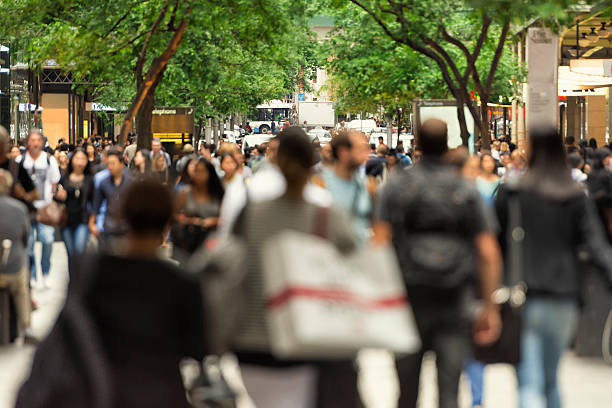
(53,214)
(510,298)
(323,305)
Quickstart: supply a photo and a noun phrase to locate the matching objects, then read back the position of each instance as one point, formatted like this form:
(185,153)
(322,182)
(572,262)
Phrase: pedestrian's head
(205,176)
(90,150)
(147,209)
(35,141)
(575,161)
(504,159)
(433,138)
(487,164)
(229,165)
(141,160)
(79,162)
(391,156)
(350,149)
(570,140)
(295,157)
(159,162)
(548,174)
(114,162)
(327,157)
(15,152)
(272,150)
(381,150)
(6,182)
(504,147)
(381,140)
(156,146)
(62,159)
(593,143)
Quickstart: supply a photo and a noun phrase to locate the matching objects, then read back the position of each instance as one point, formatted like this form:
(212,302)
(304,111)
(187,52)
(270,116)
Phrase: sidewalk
(585,383)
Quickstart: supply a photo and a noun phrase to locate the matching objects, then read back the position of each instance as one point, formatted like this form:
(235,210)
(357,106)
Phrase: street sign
(301,97)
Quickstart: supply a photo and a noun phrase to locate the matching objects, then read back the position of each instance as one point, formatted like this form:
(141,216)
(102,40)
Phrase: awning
(578,77)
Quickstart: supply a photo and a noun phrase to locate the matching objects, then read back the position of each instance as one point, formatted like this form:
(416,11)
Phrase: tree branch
(498,53)
(123,17)
(143,51)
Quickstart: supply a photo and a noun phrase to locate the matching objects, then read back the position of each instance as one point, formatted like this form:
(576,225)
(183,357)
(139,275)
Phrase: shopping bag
(324,305)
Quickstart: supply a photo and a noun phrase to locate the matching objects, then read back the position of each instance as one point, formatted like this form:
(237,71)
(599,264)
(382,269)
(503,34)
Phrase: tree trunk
(145,116)
(465,133)
(143,122)
(156,69)
(484,124)
(198,131)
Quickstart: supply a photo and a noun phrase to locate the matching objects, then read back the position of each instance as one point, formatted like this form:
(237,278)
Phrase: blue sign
(301,97)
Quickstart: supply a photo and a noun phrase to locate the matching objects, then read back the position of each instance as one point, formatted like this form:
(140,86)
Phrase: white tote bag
(323,305)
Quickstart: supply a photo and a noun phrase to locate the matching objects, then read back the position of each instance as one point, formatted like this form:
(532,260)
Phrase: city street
(584,382)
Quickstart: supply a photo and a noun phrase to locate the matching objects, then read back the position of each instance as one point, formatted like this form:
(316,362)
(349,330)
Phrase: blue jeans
(548,325)
(75,239)
(475,371)
(46,235)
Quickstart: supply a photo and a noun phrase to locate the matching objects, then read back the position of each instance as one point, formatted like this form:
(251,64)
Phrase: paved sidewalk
(585,383)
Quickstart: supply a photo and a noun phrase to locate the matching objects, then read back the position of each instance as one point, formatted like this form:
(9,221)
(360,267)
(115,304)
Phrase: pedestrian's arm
(488,323)
(489,266)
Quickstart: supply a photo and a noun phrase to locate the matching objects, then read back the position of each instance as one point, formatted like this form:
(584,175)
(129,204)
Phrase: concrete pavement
(585,383)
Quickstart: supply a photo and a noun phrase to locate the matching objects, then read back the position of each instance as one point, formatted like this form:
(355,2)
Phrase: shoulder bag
(511,298)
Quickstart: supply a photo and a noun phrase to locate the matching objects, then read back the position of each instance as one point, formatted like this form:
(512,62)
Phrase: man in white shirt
(45,173)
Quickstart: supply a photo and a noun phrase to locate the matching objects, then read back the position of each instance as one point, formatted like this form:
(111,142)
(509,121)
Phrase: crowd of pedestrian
(451,218)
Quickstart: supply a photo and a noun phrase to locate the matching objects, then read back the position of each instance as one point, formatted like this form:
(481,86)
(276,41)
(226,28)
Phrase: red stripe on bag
(333,295)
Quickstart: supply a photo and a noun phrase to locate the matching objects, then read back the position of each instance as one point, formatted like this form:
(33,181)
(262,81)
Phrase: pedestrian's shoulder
(12,204)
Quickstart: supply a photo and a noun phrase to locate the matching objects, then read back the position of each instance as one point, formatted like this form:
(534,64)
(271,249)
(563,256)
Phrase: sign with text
(542,65)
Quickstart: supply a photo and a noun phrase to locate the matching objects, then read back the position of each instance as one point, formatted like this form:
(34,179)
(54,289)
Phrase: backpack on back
(432,228)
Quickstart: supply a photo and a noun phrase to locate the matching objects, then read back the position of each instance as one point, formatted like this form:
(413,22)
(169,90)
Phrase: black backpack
(432,224)
(70,368)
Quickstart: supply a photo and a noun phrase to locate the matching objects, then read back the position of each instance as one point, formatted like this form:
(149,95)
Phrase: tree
(368,70)
(442,29)
(121,49)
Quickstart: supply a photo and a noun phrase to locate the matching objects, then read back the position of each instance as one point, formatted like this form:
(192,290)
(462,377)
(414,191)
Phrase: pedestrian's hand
(487,327)
(61,194)
(19,192)
(93,229)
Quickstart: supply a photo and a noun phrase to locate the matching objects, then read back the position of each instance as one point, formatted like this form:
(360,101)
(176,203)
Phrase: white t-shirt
(44,173)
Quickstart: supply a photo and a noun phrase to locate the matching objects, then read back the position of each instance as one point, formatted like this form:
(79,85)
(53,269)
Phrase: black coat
(555,231)
(122,341)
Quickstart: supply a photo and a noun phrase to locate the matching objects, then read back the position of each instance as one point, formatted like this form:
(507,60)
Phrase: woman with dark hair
(305,383)
(92,155)
(488,181)
(185,176)
(76,190)
(555,219)
(197,207)
(140,165)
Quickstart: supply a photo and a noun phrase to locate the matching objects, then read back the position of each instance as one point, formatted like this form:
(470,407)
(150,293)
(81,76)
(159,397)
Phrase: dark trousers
(337,385)
(445,328)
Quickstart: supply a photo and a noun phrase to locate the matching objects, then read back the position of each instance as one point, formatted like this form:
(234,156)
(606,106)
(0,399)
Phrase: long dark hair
(214,185)
(548,173)
(87,170)
(145,153)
